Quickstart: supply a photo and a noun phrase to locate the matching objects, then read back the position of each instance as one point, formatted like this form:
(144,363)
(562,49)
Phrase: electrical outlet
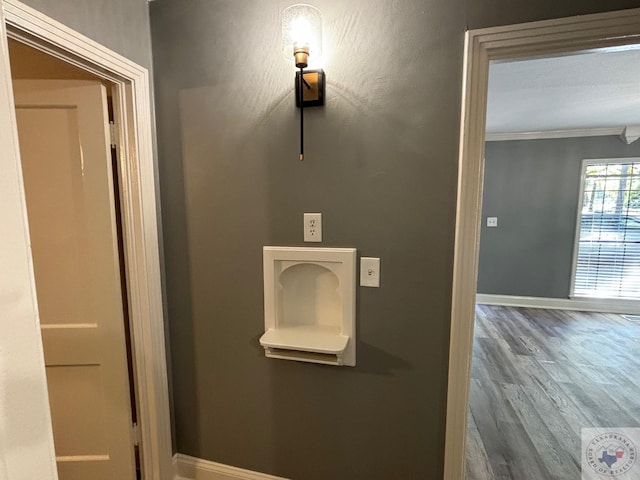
(312,227)
(492,221)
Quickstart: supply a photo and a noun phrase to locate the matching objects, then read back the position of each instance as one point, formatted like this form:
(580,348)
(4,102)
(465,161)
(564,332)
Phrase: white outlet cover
(492,221)
(369,272)
(313,227)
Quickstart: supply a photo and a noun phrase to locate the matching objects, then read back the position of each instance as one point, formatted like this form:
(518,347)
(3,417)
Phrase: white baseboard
(604,305)
(191,468)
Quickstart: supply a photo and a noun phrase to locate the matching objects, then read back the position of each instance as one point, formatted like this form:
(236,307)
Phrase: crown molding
(547,134)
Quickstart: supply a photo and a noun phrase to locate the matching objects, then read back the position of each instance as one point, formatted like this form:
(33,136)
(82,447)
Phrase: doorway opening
(138,260)
(561,216)
(539,39)
(70,174)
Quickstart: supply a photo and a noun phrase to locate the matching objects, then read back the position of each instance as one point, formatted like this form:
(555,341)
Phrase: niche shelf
(309,304)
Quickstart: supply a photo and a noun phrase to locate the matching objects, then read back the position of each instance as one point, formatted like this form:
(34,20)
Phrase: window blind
(608,243)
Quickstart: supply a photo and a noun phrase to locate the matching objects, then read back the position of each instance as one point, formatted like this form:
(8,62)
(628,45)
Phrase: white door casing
(26,448)
(26,441)
(550,37)
(63,128)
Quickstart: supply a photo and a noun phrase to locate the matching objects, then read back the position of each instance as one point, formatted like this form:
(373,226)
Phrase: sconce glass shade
(302,30)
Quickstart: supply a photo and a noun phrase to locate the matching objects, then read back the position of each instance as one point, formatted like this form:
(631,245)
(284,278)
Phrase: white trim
(192,468)
(514,41)
(630,134)
(577,224)
(602,305)
(140,222)
(581,132)
(26,439)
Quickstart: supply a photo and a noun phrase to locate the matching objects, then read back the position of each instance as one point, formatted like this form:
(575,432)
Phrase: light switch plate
(369,272)
(492,221)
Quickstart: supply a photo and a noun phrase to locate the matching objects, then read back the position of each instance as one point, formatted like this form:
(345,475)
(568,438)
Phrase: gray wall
(533,187)
(491,13)
(380,160)
(121,25)
(381,167)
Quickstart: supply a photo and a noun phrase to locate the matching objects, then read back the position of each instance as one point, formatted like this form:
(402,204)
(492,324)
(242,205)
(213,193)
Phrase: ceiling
(591,90)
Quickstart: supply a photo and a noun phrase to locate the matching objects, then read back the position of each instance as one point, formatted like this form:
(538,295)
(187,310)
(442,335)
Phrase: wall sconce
(302,37)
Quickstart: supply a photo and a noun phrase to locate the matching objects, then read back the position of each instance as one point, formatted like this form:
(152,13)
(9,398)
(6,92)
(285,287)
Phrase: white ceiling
(582,91)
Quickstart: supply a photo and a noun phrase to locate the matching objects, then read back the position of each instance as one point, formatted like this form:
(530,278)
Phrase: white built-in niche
(309,302)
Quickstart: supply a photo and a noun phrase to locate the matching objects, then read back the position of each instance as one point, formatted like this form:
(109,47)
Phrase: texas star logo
(611,454)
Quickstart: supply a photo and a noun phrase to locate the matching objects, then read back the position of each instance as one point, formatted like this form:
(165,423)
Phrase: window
(607,260)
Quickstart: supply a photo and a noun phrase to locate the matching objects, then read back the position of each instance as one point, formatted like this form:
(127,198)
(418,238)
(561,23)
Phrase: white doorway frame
(132,105)
(545,38)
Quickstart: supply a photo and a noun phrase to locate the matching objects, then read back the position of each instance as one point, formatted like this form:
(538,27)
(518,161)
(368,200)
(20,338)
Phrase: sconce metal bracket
(313,88)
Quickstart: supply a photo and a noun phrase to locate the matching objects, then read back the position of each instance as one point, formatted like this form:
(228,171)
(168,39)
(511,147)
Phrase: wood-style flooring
(538,377)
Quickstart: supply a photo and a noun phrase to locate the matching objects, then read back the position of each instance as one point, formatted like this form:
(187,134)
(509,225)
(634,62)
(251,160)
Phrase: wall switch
(312,227)
(369,272)
(492,221)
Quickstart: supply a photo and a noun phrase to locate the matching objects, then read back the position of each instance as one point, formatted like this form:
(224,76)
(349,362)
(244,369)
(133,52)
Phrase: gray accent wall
(492,13)
(533,187)
(121,25)
(381,166)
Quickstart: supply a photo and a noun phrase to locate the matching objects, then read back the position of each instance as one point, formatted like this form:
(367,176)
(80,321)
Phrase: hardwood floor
(538,377)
